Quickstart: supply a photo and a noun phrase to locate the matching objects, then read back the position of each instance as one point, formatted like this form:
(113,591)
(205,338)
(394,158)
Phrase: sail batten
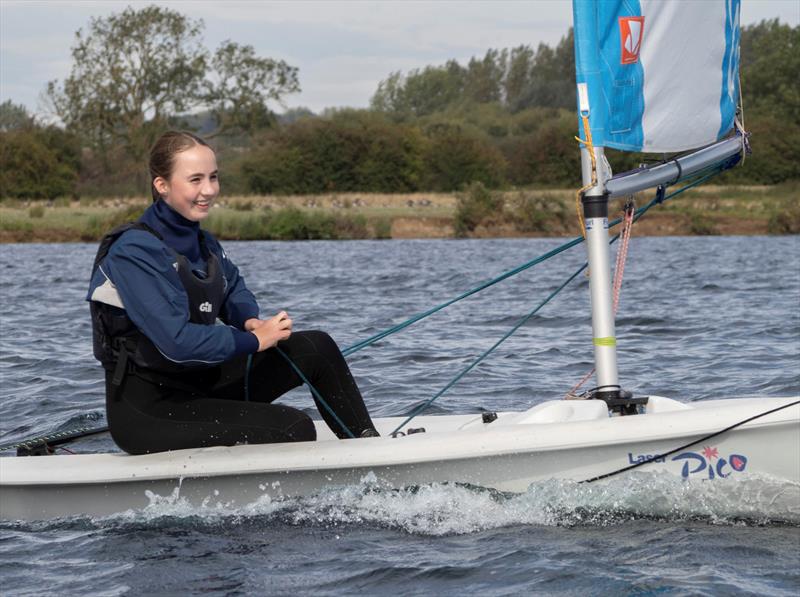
(662,76)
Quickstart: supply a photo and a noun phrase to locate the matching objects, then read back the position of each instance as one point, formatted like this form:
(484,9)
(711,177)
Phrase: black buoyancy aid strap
(121,367)
(112,237)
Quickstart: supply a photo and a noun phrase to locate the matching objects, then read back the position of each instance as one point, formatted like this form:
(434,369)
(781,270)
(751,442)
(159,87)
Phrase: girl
(175,379)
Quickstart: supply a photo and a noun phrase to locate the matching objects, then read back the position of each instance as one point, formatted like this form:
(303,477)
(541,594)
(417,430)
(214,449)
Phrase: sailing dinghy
(652,76)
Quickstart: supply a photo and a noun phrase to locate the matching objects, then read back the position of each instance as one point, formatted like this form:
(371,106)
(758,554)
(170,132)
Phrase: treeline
(505,120)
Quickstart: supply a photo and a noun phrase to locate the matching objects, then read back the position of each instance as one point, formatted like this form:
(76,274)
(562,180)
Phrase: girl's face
(194,184)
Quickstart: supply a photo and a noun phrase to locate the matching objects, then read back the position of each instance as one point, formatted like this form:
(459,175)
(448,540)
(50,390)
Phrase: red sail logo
(630,36)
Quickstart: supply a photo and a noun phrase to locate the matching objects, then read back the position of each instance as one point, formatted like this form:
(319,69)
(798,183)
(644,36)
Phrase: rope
(587,131)
(315,392)
(396,328)
(54,438)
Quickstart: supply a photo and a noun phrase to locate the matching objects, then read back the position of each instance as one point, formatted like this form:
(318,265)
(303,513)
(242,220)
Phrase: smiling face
(193,185)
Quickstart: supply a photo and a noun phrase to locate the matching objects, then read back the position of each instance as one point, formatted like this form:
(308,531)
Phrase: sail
(657,75)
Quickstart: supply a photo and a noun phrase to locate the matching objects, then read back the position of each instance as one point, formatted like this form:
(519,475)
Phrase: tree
(37,163)
(14,117)
(484,78)
(455,158)
(770,61)
(421,92)
(517,79)
(134,71)
(349,150)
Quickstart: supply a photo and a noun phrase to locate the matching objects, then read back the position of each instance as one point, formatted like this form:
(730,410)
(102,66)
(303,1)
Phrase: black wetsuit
(148,413)
(171,394)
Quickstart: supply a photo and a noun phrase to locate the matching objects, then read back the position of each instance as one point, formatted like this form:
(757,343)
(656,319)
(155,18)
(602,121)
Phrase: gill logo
(630,36)
(205,307)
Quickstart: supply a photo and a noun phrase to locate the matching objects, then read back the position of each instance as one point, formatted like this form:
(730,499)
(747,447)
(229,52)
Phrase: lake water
(700,318)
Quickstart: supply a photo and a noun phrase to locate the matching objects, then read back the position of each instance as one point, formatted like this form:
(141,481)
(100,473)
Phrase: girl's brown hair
(162,155)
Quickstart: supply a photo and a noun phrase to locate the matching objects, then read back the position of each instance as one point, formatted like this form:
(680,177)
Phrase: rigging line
(396,328)
(545,256)
(316,393)
(689,445)
(486,353)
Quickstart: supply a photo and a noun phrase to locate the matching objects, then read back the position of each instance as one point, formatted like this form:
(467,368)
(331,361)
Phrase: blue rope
(247,378)
(305,380)
(396,328)
(315,392)
(487,352)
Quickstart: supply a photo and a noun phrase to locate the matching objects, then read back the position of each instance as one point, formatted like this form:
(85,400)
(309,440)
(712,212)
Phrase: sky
(342,49)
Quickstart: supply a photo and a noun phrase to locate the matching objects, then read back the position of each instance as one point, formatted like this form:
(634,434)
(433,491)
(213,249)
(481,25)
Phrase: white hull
(565,440)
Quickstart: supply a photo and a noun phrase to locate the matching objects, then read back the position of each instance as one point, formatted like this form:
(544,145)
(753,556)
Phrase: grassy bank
(474,213)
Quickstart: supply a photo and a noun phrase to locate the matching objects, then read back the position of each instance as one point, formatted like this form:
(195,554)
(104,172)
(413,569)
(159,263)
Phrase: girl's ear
(161,185)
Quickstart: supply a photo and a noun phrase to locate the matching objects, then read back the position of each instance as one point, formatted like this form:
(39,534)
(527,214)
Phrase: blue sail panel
(659,75)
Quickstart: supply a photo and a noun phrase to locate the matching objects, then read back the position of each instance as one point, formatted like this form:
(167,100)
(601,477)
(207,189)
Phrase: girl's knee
(302,429)
(322,342)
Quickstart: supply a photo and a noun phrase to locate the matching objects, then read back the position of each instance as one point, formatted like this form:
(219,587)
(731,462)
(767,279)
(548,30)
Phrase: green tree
(454,159)
(770,63)
(348,150)
(552,77)
(14,116)
(389,97)
(517,79)
(37,163)
(133,71)
(548,156)
(421,92)
(484,78)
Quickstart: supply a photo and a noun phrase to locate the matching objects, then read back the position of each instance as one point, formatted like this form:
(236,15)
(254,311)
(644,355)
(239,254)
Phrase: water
(700,318)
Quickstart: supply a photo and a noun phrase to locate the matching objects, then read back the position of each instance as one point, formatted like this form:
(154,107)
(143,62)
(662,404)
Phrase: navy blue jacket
(139,275)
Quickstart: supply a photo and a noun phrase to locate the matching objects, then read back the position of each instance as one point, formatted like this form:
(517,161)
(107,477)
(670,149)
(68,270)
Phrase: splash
(439,509)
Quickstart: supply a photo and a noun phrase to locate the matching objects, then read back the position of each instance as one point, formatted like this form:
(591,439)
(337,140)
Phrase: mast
(595,212)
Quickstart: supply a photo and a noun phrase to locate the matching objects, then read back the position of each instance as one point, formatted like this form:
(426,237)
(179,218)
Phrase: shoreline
(709,210)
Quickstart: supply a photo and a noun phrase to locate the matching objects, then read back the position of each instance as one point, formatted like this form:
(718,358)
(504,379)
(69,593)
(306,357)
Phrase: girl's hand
(252,324)
(270,331)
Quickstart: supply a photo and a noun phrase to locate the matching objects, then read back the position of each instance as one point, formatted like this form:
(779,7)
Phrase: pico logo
(710,463)
(707,463)
(630,36)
